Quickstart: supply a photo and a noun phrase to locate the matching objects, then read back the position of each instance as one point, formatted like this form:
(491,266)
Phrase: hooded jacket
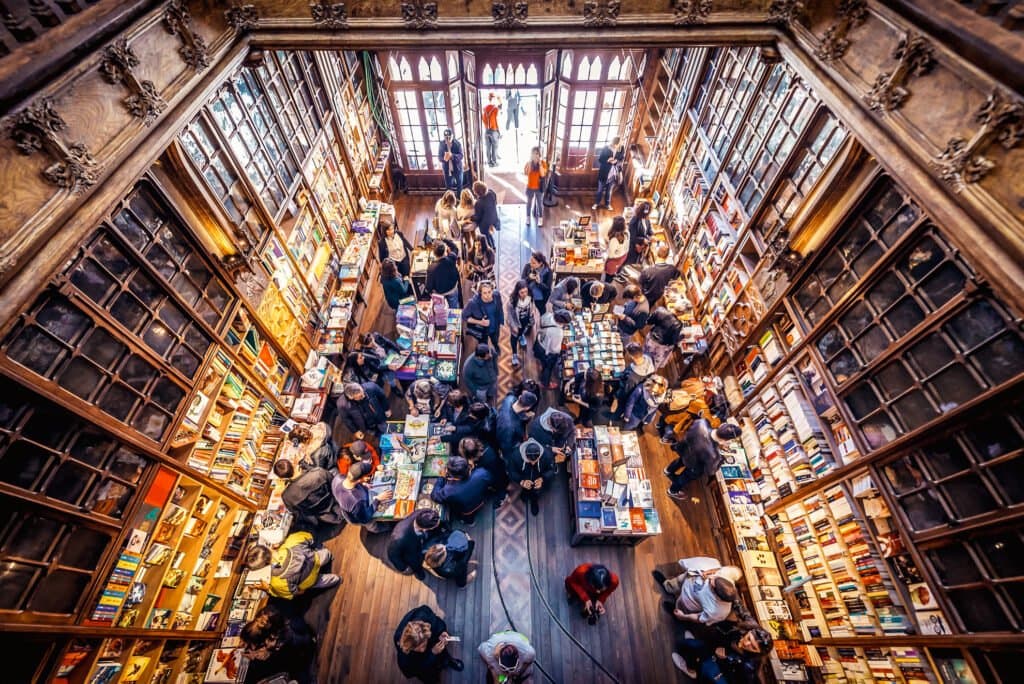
(540,430)
(520,469)
(480,374)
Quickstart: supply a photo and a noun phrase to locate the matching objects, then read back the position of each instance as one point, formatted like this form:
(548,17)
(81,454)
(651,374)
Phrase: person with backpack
(463,489)
(643,403)
(308,496)
(410,538)
(665,333)
(449,558)
(698,454)
(639,369)
(296,566)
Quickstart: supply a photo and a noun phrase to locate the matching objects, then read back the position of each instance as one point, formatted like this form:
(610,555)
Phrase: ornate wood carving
(178,22)
(691,12)
(914,56)
(785,11)
(117,66)
(332,15)
(509,14)
(597,13)
(964,161)
(781,256)
(419,14)
(850,15)
(242,17)
(36,128)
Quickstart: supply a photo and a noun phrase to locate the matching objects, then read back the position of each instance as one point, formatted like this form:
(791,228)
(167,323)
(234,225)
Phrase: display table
(612,501)
(420,261)
(410,465)
(432,352)
(579,252)
(594,342)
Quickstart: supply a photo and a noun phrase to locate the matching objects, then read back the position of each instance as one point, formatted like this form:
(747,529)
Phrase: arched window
(499,75)
(531,75)
(595,70)
(583,70)
(488,74)
(436,73)
(424,69)
(567,65)
(613,69)
(393,69)
(453,64)
(404,70)
(626,73)
(520,75)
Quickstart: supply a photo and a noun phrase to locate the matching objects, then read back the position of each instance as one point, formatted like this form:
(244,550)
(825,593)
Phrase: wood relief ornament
(783,257)
(331,15)
(914,56)
(36,129)
(689,12)
(964,161)
(510,15)
(419,14)
(178,22)
(600,13)
(785,11)
(834,44)
(118,67)
(242,17)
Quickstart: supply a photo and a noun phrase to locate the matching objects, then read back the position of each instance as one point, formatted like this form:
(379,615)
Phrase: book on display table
(611,497)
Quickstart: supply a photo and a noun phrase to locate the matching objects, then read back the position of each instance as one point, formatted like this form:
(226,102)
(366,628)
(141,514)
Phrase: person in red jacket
(590,585)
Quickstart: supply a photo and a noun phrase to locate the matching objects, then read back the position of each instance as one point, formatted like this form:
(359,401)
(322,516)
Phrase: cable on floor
(501,597)
(547,606)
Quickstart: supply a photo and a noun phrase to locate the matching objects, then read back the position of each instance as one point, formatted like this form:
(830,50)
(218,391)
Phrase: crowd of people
(504,445)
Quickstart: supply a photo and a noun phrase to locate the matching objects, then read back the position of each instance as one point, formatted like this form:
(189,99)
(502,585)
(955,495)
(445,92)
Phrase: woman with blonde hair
(464,215)
(421,641)
(446,225)
(449,558)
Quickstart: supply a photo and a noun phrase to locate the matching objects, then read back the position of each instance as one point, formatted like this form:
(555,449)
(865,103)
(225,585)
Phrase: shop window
(48,563)
(581,128)
(410,128)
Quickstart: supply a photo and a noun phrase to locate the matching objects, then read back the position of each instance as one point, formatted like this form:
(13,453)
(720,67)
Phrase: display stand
(579,252)
(594,342)
(430,351)
(412,462)
(611,499)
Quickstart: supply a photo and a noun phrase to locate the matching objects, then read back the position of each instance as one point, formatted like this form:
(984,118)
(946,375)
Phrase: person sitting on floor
(353,494)
(410,538)
(463,489)
(449,558)
(420,641)
(705,590)
(296,566)
(590,585)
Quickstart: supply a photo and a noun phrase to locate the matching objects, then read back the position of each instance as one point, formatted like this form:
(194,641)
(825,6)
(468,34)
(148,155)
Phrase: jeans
(548,364)
(453,299)
(698,655)
(491,138)
(522,334)
(453,181)
(533,197)
(604,193)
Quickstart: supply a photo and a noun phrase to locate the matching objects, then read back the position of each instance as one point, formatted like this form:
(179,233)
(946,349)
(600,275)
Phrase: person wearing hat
(480,376)
(450,155)
(410,538)
(352,492)
(531,467)
(590,585)
(510,427)
(363,408)
(463,489)
(698,454)
(643,403)
(509,658)
(355,452)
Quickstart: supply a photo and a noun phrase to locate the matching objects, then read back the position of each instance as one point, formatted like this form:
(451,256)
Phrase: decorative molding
(785,11)
(117,66)
(688,12)
(509,14)
(834,44)
(331,15)
(600,13)
(36,128)
(419,14)
(242,17)
(178,22)
(782,256)
(964,161)
(914,56)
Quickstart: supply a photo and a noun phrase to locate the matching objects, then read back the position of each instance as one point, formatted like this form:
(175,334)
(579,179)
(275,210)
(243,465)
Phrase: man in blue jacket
(450,155)
(463,490)
(513,416)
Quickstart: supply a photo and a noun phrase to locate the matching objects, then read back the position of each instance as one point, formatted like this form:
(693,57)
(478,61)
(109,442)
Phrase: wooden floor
(522,559)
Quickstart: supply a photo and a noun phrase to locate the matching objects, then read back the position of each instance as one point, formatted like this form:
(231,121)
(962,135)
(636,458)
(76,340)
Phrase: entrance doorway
(518,123)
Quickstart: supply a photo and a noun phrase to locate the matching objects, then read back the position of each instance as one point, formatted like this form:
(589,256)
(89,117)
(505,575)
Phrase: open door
(547,106)
(474,149)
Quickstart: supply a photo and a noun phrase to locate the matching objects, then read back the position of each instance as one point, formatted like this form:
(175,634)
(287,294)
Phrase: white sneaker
(515,361)
(540,222)
(594,208)
(681,665)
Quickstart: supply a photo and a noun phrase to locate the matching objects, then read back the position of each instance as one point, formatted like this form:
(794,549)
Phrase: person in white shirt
(616,247)
(446,218)
(509,657)
(705,590)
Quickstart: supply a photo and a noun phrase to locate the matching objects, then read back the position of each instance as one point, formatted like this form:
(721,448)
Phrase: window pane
(980,610)
(59,592)
(968,497)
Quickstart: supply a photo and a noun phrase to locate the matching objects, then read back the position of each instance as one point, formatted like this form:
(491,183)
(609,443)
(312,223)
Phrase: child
(295,566)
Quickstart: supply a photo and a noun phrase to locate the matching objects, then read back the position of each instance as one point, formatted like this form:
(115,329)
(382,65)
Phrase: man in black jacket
(443,276)
(410,537)
(463,490)
(309,496)
(531,467)
(485,214)
(450,154)
(609,157)
(654,279)
(363,409)
(635,313)
(698,454)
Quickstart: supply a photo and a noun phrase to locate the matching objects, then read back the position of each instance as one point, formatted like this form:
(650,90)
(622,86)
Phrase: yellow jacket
(294,566)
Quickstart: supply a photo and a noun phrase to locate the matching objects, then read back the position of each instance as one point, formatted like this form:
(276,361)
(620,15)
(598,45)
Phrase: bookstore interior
(197,209)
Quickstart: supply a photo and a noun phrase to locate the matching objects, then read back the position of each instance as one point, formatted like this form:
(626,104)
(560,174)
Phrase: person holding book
(564,292)
(509,658)
(463,489)
(358,504)
(363,408)
(531,467)
(616,248)
(538,276)
(425,397)
(734,654)
(420,641)
(547,346)
(705,591)
(443,275)
(394,246)
(449,558)
(555,430)
(643,403)
(315,444)
(639,232)
(639,369)
(296,566)
(699,454)
(410,538)
(396,288)
(634,315)
(308,496)
(589,586)
(381,348)
(666,332)
(478,420)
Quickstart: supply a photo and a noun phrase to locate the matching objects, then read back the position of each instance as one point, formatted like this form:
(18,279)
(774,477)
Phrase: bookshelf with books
(126,660)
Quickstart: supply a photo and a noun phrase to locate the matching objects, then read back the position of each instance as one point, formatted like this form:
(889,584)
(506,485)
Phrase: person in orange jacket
(590,585)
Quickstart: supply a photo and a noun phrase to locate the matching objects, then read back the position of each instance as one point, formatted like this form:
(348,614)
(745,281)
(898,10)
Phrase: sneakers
(594,208)
(515,361)
(667,440)
(456,664)
(609,207)
(680,663)
(540,221)
(534,507)
(678,496)
(666,470)
(328,580)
